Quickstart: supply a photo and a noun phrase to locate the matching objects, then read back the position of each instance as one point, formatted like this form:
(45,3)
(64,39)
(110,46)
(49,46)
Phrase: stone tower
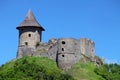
(30,33)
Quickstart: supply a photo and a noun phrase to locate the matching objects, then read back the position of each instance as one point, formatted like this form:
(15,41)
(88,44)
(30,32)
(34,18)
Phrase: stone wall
(25,51)
(28,38)
(87,47)
(68,52)
(65,51)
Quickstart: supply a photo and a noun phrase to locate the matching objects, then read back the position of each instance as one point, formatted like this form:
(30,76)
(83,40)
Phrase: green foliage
(42,68)
(32,68)
(84,71)
(109,71)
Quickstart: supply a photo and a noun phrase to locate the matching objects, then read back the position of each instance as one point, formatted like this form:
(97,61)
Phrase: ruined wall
(25,51)
(53,49)
(65,51)
(87,47)
(68,53)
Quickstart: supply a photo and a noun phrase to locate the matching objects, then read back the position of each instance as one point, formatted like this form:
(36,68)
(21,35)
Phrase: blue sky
(98,20)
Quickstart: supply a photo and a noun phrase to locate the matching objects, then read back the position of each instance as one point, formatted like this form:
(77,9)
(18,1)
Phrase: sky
(98,20)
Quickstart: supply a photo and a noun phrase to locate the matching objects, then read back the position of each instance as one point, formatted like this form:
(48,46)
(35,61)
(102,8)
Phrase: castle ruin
(65,51)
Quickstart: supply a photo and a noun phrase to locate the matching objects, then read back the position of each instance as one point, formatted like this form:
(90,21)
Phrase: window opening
(29,35)
(62,49)
(63,42)
(26,43)
(63,55)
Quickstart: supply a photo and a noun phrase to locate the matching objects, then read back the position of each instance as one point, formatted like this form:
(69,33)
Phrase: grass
(79,71)
(83,71)
(32,68)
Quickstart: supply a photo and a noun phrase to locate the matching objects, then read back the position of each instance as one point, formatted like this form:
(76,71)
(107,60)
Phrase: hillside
(84,71)
(42,68)
(32,68)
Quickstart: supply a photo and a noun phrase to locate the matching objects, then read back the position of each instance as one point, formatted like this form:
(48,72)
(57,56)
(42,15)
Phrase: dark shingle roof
(30,21)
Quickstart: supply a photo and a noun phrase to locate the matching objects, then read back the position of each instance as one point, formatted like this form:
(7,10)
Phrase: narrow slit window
(62,49)
(29,35)
(63,55)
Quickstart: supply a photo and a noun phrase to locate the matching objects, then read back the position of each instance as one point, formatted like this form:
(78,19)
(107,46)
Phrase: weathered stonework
(68,52)
(65,51)
(30,33)
(87,47)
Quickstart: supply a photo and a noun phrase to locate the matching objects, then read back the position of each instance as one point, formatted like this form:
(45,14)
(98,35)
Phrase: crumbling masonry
(65,51)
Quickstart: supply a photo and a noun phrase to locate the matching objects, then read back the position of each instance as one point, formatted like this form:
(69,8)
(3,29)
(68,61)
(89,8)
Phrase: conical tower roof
(30,21)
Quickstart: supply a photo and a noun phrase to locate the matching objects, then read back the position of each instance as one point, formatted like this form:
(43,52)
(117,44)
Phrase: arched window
(29,35)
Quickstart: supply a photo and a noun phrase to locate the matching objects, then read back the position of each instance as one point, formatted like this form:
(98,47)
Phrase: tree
(109,71)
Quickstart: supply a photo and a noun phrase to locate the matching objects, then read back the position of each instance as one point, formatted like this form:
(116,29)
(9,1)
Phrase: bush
(32,68)
(109,71)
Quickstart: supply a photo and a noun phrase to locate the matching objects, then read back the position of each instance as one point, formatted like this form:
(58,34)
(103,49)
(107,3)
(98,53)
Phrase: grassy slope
(79,71)
(42,61)
(29,68)
(84,71)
